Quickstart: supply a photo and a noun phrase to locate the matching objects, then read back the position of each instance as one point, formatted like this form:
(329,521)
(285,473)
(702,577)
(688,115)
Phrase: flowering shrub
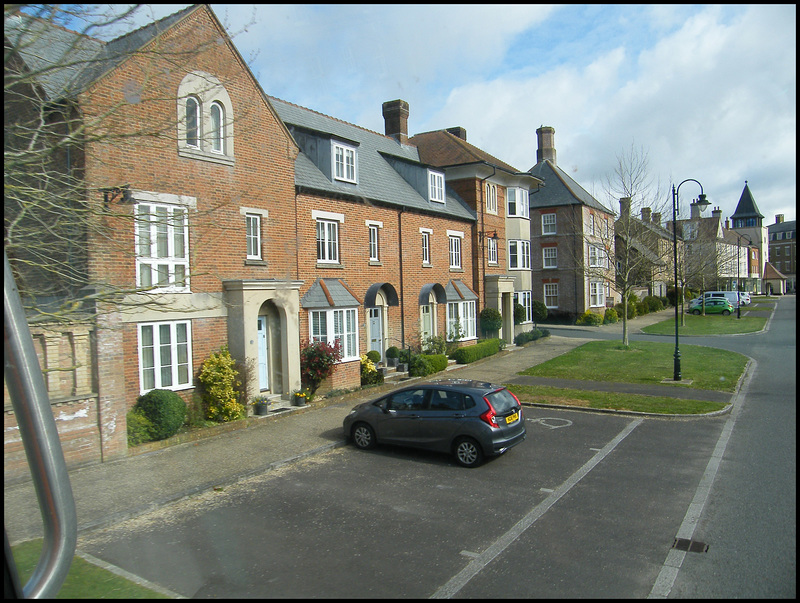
(369,374)
(220,381)
(317,362)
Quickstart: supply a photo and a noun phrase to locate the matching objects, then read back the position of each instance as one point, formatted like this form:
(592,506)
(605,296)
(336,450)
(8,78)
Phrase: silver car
(468,419)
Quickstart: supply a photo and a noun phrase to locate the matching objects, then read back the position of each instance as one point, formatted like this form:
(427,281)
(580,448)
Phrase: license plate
(512,418)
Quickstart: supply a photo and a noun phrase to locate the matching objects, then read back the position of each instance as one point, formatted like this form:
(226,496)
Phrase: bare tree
(52,215)
(641,252)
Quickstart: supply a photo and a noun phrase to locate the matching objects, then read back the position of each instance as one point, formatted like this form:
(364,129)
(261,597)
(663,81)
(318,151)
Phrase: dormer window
(344,162)
(436,186)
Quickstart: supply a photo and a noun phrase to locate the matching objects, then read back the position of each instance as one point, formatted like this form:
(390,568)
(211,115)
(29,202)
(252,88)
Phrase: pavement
(108,493)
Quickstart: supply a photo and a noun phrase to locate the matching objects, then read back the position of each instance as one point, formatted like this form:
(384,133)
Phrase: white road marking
(457,582)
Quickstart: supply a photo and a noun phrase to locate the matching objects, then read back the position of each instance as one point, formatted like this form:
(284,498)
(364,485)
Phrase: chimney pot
(778,218)
(646,214)
(395,115)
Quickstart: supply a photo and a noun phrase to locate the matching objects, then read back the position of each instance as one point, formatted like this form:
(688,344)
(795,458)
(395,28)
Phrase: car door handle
(459,416)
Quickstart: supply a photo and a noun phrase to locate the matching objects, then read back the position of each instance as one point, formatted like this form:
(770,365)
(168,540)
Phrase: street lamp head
(702,201)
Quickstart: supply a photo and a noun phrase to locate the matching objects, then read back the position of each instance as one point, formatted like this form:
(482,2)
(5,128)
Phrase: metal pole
(676,375)
(738,276)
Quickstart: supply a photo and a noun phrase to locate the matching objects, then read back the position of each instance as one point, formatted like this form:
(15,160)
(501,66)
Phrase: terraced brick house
(499,194)
(783,252)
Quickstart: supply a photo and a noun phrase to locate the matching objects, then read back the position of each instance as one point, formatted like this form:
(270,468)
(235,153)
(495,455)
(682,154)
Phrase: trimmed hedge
(438,362)
(165,410)
(482,349)
(529,336)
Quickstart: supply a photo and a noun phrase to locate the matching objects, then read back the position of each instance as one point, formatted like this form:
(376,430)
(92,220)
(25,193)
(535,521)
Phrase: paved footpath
(108,493)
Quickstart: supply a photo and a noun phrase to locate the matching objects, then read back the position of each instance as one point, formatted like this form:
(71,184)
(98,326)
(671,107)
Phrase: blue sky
(707,91)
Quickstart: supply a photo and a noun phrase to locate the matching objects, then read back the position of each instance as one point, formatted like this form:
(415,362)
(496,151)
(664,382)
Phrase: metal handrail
(39,435)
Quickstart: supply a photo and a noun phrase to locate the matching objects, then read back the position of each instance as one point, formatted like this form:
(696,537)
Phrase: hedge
(482,349)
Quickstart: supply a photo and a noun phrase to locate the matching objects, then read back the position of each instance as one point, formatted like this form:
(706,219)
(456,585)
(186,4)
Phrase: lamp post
(738,270)
(676,375)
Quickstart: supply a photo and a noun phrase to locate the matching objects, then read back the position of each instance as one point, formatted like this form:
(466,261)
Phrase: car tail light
(490,416)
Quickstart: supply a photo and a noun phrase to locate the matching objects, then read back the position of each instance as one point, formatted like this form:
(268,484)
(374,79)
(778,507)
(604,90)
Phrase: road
(589,506)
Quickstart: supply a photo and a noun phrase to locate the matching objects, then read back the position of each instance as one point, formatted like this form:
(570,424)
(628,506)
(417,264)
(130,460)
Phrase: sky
(706,92)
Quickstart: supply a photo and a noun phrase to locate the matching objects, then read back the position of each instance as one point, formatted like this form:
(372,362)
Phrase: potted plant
(392,354)
(260,406)
(300,398)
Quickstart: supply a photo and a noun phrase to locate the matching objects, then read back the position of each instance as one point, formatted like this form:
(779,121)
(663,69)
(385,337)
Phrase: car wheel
(726,312)
(363,436)
(467,452)
(696,312)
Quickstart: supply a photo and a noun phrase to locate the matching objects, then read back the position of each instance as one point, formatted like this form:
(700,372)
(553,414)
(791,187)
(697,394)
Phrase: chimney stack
(657,218)
(547,148)
(646,214)
(624,207)
(716,213)
(778,218)
(458,132)
(395,115)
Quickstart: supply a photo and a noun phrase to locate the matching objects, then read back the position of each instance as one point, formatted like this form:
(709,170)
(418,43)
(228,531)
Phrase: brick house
(572,237)
(383,241)
(193,234)
(499,194)
(783,251)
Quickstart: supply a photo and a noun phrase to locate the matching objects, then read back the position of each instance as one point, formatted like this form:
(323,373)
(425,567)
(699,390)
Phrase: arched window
(217,128)
(192,122)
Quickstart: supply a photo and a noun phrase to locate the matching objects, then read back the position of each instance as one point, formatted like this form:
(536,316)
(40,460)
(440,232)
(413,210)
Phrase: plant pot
(402,367)
(391,362)
(298,400)
(261,409)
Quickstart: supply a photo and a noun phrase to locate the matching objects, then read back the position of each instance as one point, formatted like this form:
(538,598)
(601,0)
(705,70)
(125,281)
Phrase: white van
(731,296)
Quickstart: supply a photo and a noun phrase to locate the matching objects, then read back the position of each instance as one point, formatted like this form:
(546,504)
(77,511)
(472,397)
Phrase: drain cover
(692,546)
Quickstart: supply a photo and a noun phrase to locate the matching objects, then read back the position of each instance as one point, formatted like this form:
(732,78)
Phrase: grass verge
(645,362)
(711,324)
(84,580)
(542,394)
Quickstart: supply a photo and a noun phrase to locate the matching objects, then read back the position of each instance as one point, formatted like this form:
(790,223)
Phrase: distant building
(783,250)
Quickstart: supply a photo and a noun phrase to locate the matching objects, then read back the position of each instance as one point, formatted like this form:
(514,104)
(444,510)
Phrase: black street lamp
(676,375)
(738,270)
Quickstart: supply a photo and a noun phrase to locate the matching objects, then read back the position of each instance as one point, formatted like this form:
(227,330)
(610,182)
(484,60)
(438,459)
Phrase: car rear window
(502,401)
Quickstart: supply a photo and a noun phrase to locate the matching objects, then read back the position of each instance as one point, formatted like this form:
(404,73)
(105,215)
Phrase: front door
(376,330)
(263,362)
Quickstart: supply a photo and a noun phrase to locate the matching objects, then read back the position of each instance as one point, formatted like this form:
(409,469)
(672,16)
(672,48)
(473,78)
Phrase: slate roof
(790,226)
(65,62)
(747,207)
(456,291)
(559,189)
(770,272)
(378,180)
(329,293)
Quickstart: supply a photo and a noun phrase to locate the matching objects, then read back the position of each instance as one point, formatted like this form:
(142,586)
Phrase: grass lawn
(84,580)
(712,324)
(646,362)
(543,394)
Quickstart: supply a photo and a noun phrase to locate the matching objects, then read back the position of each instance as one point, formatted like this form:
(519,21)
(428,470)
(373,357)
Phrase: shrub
(485,348)
(393,352)
(589,318)
(419,366)
(140,428)
(317,362)
(610,316)
(631,310)
(641,308)
(369,374)
(532,335)
(220,380)
(438,362)
(491,320)
(653,303)
(164,409)
(434,345)
(519,314)
(539,311)
(374,355)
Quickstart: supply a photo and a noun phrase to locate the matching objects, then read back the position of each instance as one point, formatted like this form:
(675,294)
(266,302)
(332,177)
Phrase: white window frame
(178,373)
(597,298)
(525,299)
(373,243)
(491,198)
(344,162)
(454,245)
(217,130)
(596,257)
(464,313)
(330,222)
(193,133)
(253,235)
(551,295)
(167,243)
(335,324)
(519,254)
(436,186)
(549,223)
(549,257)
(520,203)
(426,245)
(491,250)
(214,142)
